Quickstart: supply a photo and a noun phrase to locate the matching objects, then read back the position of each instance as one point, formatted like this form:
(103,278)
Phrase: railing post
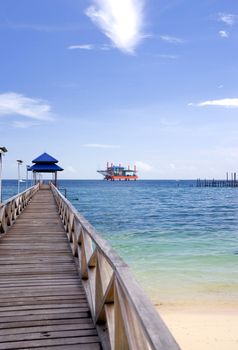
(124,316)
(10,209)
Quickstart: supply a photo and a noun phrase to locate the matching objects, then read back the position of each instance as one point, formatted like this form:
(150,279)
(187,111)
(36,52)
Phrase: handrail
(12,207)
(124,316)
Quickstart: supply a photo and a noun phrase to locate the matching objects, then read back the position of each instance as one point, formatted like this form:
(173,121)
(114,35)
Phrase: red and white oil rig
(118,172)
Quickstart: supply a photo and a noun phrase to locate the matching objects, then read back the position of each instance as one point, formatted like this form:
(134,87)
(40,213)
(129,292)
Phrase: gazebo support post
(56,179)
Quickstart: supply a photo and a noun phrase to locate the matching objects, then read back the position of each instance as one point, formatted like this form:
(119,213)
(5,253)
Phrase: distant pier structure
(228,182)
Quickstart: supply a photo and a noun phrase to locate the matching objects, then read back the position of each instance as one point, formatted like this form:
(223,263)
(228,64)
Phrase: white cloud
(24,124)
(12,103)
(81,47)
(71,169)
(172,39)
(142,166)
(103,47)
(121,21)
(167,122)
(167,56)
(172,166)
(226,102)
(223,34)
(220,86)
(99,145)
(227,18)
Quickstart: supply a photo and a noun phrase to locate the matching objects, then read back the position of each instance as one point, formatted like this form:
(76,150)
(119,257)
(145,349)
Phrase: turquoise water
(181,241)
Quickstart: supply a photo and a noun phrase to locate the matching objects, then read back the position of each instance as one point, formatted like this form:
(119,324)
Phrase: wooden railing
(11,208)
(123,314)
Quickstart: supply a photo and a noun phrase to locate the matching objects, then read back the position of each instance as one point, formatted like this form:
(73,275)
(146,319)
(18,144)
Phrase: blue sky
(147,82)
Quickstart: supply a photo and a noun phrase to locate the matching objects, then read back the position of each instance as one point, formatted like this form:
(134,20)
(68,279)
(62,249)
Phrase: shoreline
(202,327)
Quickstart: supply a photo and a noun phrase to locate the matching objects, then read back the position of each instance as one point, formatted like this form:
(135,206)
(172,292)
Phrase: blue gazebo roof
(45,164)
(45,168)
(45,158)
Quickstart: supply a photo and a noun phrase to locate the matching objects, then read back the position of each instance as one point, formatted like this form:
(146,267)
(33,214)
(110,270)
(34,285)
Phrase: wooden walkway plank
(47,328)
(42,300)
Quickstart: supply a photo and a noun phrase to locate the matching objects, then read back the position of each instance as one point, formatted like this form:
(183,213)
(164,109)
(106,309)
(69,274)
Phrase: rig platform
(119,173)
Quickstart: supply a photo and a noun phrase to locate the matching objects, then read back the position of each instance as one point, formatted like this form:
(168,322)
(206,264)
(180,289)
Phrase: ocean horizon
(181,241)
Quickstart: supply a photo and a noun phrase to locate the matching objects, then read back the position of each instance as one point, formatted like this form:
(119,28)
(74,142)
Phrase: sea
(181,241)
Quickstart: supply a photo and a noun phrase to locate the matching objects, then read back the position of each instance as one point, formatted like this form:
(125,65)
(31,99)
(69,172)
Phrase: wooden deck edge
(119,307)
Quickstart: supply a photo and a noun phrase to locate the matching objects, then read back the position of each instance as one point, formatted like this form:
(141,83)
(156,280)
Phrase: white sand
(215,329)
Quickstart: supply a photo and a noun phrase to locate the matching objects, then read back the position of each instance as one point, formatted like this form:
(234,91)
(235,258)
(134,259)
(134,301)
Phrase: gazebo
(45,164)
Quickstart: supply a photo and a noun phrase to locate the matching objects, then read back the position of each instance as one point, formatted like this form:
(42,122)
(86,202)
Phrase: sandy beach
(204,328)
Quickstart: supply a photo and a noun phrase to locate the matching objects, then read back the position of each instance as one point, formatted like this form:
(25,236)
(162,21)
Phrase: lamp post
(19,162)
(3,150)
(27,169)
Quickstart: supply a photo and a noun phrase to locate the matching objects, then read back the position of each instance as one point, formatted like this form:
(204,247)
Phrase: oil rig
(119,173)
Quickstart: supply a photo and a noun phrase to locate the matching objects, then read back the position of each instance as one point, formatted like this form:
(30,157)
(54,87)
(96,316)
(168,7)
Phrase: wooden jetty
(228,182)
(217,183)
(63,287)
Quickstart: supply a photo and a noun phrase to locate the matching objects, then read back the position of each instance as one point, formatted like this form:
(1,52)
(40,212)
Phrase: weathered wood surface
(123,314)
(42,301)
